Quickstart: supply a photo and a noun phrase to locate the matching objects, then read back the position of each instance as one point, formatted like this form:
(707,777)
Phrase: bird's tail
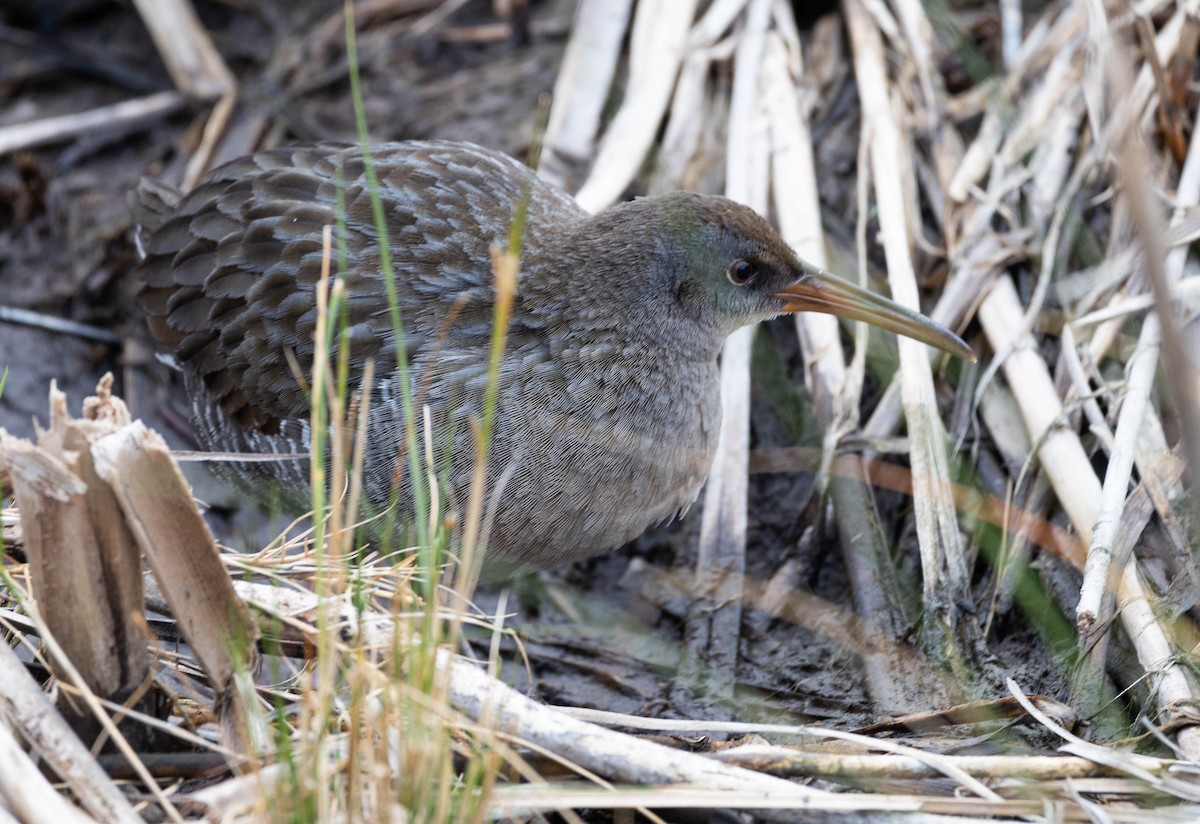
(151,204)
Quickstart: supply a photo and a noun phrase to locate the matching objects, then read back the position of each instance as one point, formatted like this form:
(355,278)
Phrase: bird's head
(726,267)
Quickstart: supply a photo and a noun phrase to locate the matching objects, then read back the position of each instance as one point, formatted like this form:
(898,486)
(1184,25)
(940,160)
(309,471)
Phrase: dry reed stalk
(944,571)
(715,22)
(124,115)
(525,801)
(186,49)
(1057,107)
(695,112)
(582,86)
(883,767)
(196,68)
(1070,472)
(85,572)
(794,192)
(714,623)
(27,793)
(794,195)
(1187,288)
(72,678)
(27,710)
(179,548)
(595,748)
(1177,693)
(84,566)
(1082,391)
(657,41)
(980,261)
(1096,578)
(478,695)
(617,755)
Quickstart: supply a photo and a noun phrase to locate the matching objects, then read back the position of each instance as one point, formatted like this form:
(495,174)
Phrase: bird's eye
(741,272)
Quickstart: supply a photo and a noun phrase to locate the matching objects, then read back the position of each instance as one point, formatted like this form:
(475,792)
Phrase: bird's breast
(594,456)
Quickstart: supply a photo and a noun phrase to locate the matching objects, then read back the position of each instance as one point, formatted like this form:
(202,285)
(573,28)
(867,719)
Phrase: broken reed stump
(96,495)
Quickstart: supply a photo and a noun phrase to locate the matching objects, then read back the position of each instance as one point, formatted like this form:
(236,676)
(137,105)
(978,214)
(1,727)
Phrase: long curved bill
(819,291)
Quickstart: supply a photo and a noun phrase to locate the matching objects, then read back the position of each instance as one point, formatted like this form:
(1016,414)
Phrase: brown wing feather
(230,272)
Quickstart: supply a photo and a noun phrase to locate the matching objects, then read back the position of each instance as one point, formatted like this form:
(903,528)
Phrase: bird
(607,404)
